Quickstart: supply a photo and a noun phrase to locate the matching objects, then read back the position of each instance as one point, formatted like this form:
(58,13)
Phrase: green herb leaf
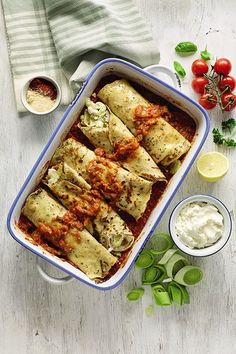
(229,125)
(186,48)
(135,294)
(221,139)
(179,69)
(205,55)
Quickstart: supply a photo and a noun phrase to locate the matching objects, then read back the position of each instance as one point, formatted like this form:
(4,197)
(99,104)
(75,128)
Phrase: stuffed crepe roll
(126,190)
(105,130)
(145,120)
(98,217)
(80,247)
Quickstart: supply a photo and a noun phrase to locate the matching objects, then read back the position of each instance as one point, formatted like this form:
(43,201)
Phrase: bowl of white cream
(200,225)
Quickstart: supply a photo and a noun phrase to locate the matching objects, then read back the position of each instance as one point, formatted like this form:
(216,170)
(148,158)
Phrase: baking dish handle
(49,278)
(157,69)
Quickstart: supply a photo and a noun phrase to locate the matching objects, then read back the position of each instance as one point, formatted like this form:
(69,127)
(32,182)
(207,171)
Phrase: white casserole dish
(152,83)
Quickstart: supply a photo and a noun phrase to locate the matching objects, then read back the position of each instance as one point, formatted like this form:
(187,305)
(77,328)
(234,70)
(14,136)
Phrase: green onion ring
(144,260)
(149,310)
(161,296)
(167,256)
(175,294)
(162,243)
(135,294)
(189,275)
(174,264)
(153,274)
(184,293)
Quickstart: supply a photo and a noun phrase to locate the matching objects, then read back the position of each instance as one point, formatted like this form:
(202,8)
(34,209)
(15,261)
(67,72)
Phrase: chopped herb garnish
(222,139)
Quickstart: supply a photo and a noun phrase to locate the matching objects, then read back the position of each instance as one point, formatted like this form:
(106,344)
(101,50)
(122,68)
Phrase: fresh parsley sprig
(222,139)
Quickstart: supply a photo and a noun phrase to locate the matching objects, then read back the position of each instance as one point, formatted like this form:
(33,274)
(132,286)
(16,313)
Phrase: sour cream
(199,225)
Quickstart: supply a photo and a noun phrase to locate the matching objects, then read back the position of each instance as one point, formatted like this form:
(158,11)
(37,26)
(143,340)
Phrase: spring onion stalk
(160,295)
(189,275)
(167,256)
(174,264)
(154,274)
(144,260)
(162,243)
(135,294)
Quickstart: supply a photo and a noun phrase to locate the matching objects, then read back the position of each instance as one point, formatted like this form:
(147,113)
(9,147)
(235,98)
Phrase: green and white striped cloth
(66,38)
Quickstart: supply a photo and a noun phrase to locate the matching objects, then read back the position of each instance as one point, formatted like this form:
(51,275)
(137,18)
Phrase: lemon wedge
(212,166)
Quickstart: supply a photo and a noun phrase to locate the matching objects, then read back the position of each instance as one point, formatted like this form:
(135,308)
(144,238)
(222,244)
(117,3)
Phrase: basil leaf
(179,69)
(205,55)
(186,48)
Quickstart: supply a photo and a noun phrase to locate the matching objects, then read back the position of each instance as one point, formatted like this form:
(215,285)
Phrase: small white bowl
(24,92)
(209,250)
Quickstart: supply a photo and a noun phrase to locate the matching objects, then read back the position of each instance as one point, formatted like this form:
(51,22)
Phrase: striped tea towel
(66,38)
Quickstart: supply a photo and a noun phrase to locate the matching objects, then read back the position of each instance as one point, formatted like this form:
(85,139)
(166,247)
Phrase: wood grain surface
(38,318)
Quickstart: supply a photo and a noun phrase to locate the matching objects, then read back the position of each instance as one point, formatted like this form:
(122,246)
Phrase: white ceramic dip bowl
(208,250)
(24,95)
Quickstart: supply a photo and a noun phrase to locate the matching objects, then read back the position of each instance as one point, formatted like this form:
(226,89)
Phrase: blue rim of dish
(211,198)
(71,105)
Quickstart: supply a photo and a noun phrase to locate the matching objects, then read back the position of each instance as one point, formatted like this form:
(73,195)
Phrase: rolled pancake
(163,142)
(76,195)
(81,247)
(105,130)
(126,190)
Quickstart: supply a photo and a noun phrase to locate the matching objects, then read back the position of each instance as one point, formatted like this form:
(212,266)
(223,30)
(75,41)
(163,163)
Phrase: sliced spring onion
(135,294)
(178,293)
(189,275)
(144,260)
(154,274)
(174,264)
(161,296)
(167,256)
(162,242)
(175,294)
(149,310)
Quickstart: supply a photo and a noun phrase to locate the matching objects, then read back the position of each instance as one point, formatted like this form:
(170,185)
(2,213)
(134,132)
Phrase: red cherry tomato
(199,67)
(227,83)
(222,66)
(199,83)
(208,101)
(228,101)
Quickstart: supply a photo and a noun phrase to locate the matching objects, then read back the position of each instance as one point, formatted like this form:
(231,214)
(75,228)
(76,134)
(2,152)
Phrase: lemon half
(212,166)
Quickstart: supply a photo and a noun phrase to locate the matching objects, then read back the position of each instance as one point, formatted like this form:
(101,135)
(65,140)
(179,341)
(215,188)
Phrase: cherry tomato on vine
(228,101)
(208,101)
(227,83)
(199,67)
(222,66)
(199,84)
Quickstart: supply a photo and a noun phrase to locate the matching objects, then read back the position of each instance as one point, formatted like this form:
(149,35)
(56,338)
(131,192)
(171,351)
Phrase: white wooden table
(38,318)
